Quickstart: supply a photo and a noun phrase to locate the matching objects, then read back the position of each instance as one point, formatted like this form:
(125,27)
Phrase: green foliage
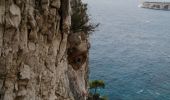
(80,21)
(97,84)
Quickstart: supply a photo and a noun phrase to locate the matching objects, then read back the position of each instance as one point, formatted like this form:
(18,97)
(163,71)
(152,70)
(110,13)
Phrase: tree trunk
(33,52)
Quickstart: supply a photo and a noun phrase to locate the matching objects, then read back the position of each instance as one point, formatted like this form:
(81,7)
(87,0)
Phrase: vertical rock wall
(34,53)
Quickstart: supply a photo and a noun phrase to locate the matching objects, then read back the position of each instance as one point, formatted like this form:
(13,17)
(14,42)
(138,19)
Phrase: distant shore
(156,5)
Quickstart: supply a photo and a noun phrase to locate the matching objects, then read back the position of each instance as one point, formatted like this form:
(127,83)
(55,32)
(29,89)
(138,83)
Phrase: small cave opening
(76,58)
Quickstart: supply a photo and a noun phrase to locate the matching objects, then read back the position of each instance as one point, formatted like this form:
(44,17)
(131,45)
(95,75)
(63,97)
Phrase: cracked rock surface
(33,52)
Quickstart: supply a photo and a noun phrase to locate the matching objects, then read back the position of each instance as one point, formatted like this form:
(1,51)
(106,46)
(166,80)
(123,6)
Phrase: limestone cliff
(156,5)
(40,59)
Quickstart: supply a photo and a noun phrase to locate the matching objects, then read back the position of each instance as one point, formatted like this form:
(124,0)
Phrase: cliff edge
(40,58)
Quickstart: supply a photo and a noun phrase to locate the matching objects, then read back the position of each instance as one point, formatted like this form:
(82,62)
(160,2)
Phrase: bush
(95,84)
(80,21)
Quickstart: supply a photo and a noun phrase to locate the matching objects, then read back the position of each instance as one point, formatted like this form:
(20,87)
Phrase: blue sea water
(131,50)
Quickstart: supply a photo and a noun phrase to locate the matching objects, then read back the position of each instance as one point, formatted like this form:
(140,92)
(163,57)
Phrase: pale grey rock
(14,17)
(31,46)
(31,19)
(25,72)
(56,4)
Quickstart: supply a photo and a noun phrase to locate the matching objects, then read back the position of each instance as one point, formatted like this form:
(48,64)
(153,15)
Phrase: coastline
(156,5)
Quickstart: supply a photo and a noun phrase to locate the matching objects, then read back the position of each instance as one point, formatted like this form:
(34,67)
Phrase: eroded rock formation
(156,5)
(39,58)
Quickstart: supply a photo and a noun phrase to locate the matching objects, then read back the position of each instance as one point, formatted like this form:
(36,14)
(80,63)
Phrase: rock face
(39,58)
(157,5)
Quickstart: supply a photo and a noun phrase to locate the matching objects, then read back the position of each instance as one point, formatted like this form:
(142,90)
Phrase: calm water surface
(131,50)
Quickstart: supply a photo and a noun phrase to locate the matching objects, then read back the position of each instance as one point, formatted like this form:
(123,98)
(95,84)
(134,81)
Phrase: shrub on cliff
(80,21)
(96,84)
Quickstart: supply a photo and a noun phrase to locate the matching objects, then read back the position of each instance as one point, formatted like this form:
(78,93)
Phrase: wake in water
(140,6)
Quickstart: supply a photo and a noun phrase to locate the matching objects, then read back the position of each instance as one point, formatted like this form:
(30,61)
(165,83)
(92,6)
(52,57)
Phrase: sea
(130,50)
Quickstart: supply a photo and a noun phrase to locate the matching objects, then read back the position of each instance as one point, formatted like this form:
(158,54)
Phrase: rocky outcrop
(157,5)
(40,59)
